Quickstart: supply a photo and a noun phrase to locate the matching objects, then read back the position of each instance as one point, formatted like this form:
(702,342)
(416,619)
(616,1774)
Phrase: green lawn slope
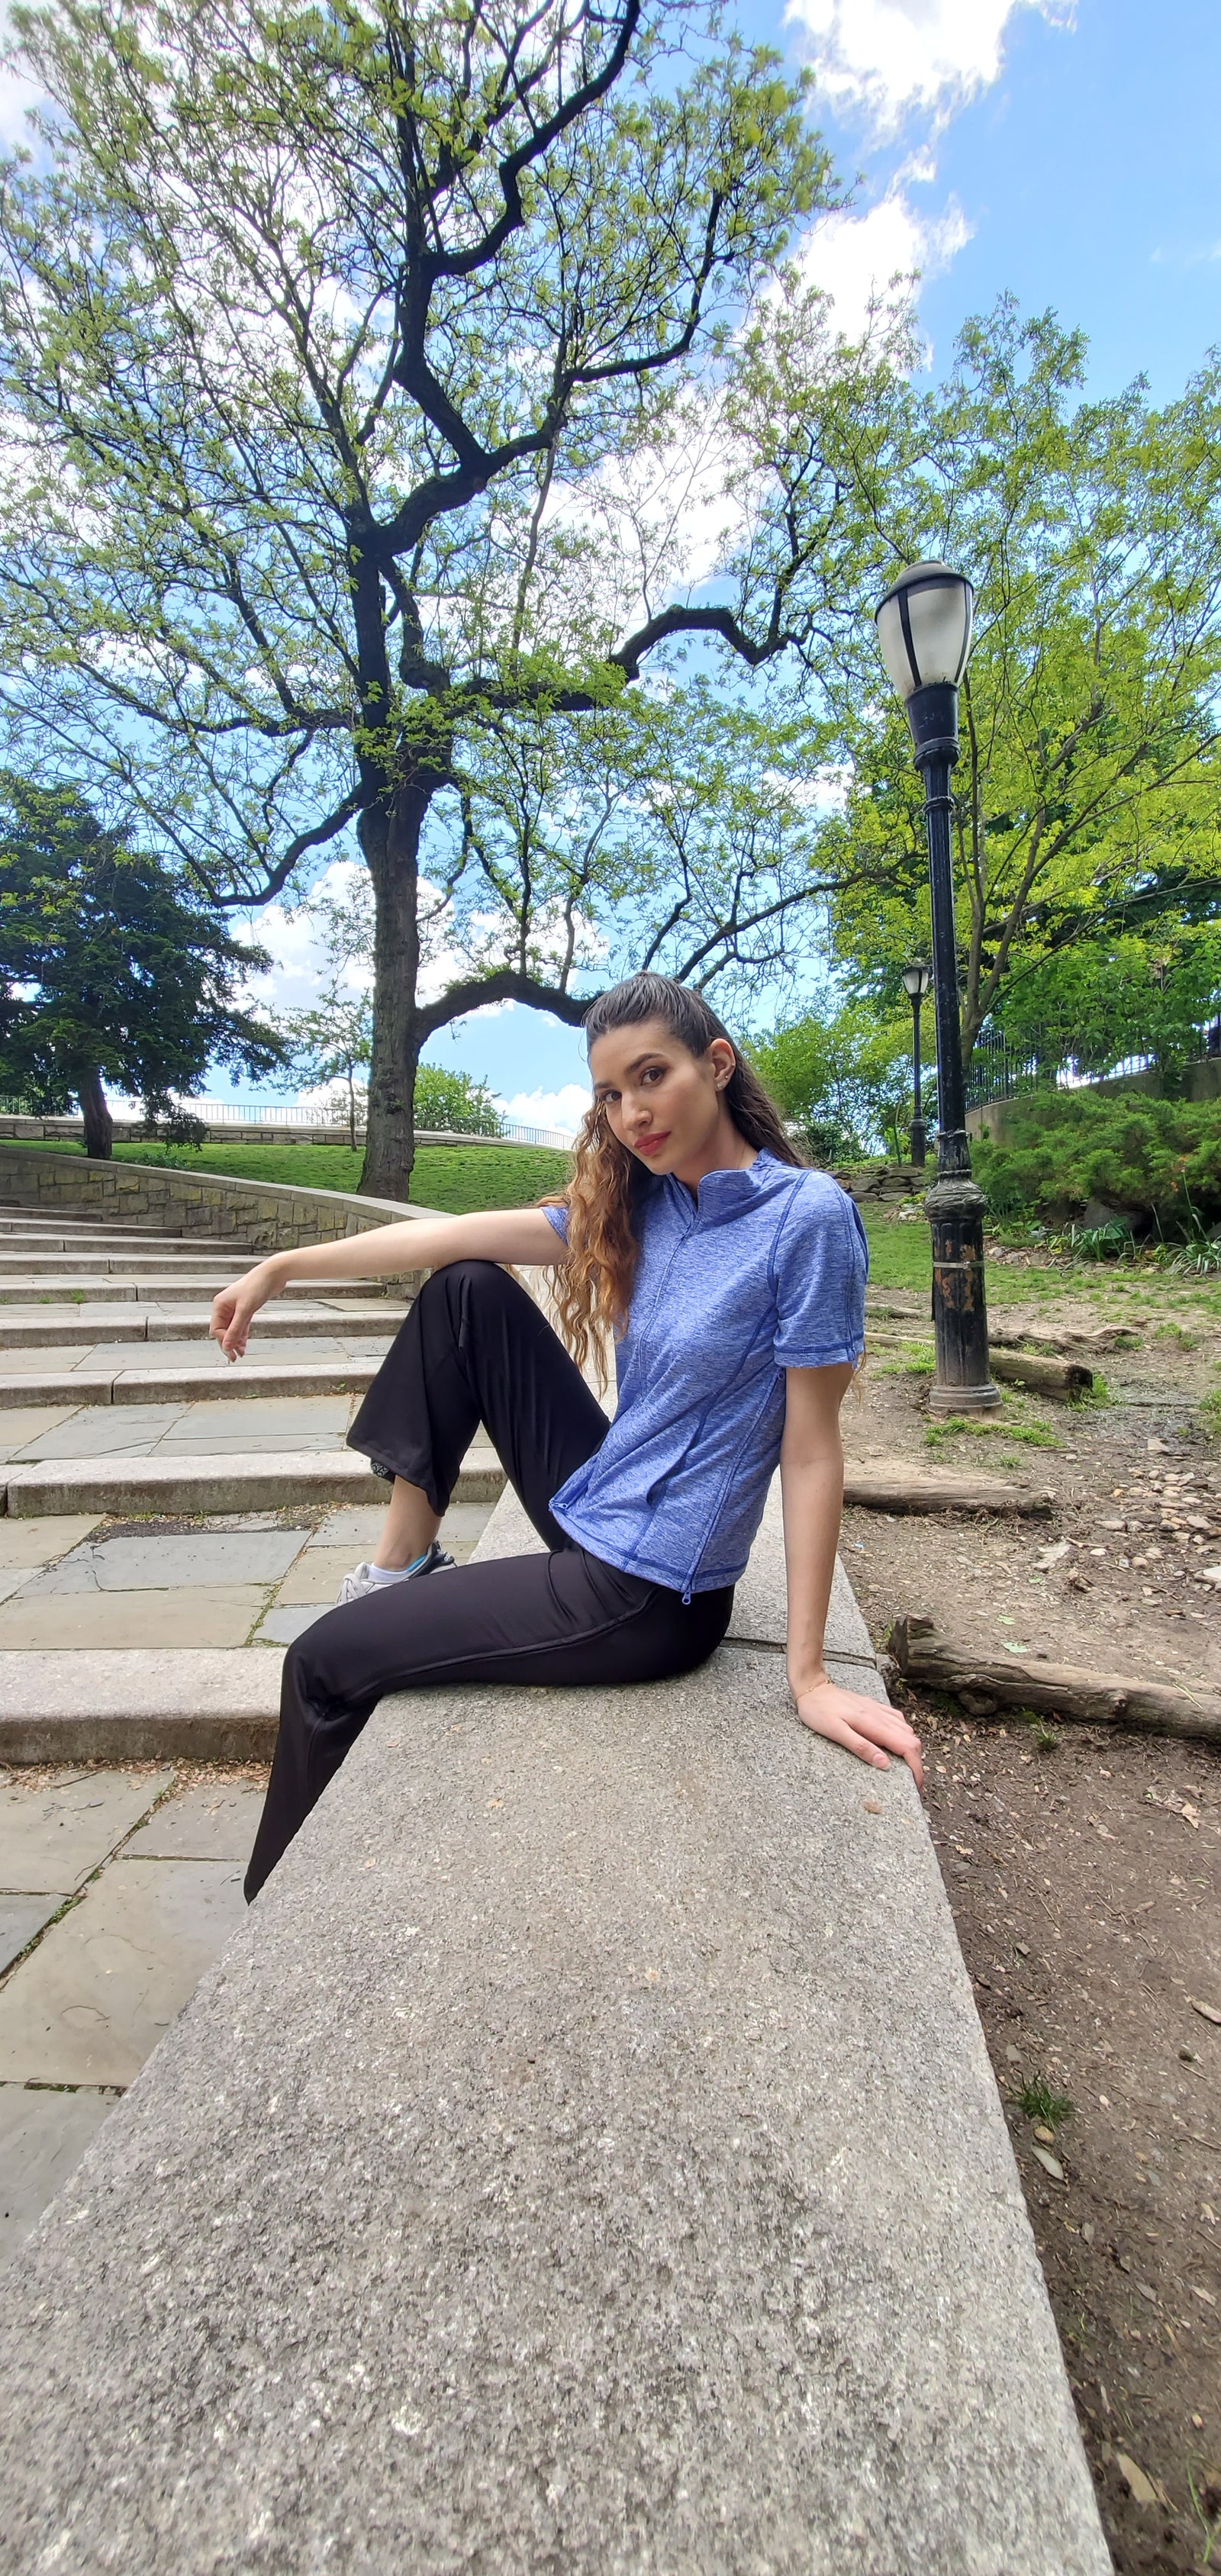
(459,1179)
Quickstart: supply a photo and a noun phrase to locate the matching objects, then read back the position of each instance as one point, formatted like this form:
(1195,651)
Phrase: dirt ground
(1083,1865)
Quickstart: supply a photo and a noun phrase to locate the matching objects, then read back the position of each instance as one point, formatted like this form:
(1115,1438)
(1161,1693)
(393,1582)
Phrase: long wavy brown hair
(593,1289)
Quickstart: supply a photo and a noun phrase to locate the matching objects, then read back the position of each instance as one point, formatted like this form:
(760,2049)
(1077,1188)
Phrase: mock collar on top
(735,1186)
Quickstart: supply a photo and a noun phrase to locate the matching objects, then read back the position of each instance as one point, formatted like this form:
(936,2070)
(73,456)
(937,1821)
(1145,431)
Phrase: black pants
(475,1348)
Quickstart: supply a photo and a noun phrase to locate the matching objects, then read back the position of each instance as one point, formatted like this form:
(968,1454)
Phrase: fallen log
(988,1685)
(1062,1379)
(902,1488)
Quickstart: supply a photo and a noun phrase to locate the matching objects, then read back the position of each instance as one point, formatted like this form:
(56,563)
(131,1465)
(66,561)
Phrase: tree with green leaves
(352,361)
(1086,793)
(111,969)
(843,1077)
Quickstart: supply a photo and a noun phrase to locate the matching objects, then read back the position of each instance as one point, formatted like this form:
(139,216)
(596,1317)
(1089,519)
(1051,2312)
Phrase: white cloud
(563,1109)
(856,257)
(890,59)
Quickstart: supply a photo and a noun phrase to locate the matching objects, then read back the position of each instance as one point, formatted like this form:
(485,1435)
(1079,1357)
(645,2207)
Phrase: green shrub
(1157,1162)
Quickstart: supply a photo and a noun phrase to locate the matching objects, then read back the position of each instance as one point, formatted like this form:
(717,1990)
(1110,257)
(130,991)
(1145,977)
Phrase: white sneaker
(360,1583)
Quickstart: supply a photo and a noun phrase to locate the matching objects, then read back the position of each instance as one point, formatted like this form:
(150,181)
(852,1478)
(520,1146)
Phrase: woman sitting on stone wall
(733,1280)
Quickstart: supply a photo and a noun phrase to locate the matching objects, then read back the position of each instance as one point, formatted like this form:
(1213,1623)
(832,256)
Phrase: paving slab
(35,1362)
(209,1614)
(278,1415)
(106,1431)
(37,1542)
(20,1918)
(315,1577)
(92,2001)
(52,1838)
(43,2136)
(283,1627)
(170,1561)
(27,1425)
(212,1704)
(213,1820)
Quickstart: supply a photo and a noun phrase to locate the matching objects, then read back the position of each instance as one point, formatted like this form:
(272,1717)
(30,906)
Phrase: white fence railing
(290,1119)
(262,1113)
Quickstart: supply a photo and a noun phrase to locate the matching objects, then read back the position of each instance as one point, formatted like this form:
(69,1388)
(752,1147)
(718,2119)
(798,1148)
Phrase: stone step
(63,1221)
(65,1328)
(215,1704)
(96,1261)
(83,1238)
(209,1383)
(161,1288)
(286,1480)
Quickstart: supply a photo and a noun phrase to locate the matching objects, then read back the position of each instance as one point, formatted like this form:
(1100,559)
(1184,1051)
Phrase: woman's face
(663,1103)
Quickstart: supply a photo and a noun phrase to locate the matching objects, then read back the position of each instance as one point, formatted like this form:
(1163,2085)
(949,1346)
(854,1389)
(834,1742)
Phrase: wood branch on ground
(1060,1379)
(987,1685)
(896,1486)
(1040,1372)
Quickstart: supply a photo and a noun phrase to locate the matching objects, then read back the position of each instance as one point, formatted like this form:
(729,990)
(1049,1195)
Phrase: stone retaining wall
(263,1216)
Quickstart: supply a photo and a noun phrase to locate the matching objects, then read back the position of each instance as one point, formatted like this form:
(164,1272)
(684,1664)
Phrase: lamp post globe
(924,625)
(916,981)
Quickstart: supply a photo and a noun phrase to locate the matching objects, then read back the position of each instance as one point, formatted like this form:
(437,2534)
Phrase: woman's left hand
(865,1726)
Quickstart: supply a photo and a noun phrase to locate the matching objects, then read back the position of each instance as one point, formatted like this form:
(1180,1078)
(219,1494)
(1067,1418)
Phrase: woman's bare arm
(500,1234)
(812,1485)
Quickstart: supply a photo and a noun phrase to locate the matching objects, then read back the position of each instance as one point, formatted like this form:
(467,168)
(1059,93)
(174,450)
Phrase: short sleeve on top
(820,1265)
(558,1217)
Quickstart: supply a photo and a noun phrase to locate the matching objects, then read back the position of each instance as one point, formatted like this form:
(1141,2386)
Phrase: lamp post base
(955,1210)
(919,1142)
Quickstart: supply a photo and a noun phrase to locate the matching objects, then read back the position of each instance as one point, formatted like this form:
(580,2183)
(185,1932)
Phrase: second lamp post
(924,632)
(916,981)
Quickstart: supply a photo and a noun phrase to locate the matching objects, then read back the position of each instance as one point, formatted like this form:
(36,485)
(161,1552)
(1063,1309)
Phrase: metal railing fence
(999,1070)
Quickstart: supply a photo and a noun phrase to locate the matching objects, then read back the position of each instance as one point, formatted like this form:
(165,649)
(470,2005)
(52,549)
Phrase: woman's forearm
(813,1495)
(388,1251)
(385,1251)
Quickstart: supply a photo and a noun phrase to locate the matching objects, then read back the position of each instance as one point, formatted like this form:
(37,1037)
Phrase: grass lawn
(900,1253)
(456,1178)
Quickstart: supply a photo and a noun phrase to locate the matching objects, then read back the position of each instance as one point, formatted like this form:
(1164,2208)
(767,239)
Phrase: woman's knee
(460,1286)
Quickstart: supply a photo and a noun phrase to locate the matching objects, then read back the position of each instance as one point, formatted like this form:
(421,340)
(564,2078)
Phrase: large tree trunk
(99,1131)
(390,837)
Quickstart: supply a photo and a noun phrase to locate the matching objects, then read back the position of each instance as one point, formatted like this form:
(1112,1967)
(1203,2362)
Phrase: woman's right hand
(234,1310)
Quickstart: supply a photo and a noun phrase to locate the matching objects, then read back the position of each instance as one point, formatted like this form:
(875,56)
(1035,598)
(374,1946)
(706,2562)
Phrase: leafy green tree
(1086,795)
(454,1103)
(843,1078)
(349,359)
(111,970)
(1094,1002)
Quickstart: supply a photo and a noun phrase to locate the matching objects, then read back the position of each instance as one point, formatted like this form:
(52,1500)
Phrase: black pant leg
(562,1618)
(476,1348)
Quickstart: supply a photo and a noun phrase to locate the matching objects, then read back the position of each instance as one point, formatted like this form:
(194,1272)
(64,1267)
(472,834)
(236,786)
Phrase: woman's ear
(724,1062)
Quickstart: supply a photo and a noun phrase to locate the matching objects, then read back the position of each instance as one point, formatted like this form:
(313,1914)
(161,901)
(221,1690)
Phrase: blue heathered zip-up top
(764,1270)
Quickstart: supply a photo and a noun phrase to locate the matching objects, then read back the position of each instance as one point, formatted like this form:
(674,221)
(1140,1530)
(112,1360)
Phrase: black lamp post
(924,632)
(916,981)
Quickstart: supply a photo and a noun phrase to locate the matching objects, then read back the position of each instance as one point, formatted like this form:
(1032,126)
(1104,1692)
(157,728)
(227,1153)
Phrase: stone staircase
(170,1522)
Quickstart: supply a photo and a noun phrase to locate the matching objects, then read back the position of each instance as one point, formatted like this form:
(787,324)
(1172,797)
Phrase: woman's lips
(652,1144)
